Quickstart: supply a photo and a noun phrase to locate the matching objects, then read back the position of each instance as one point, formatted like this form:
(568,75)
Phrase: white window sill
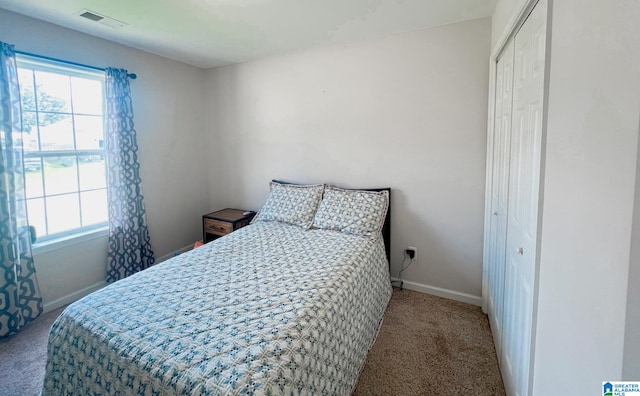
(69,240)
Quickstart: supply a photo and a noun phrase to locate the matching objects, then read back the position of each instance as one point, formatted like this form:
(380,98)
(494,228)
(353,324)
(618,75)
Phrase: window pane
(33,177)
(92,172)
(94,207)
(30,139)
(60,175)
(87,96)
(35,212)
(56,131)
(29,124)
(89,132)
(63,112)
(53,92)
(25,80)
(63,213)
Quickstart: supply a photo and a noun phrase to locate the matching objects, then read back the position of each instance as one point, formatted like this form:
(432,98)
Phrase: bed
(273,308)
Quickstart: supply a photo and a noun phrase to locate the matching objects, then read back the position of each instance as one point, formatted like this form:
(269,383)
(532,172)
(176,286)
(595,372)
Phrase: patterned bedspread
(269,309)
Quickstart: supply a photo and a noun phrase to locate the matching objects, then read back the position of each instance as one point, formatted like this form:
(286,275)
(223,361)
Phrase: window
(63,144)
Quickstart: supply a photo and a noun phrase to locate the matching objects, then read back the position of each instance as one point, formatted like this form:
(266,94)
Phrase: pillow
(352,211)
(291,204)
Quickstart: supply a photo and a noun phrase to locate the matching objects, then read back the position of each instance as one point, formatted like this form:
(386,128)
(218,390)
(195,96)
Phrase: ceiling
(209,33)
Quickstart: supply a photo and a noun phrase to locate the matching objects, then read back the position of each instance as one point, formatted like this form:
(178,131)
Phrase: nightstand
(222,222)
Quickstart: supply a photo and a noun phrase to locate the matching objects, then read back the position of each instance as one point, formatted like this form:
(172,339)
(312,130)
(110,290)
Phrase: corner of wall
(631,359)
(503,13)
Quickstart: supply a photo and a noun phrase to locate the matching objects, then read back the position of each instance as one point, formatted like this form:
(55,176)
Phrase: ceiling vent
(103,19)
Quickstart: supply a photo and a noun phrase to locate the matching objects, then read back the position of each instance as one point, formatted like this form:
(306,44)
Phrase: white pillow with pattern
(355,212)
(291,204)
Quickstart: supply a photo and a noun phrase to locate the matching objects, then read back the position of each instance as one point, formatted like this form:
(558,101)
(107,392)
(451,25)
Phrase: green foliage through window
(53,105)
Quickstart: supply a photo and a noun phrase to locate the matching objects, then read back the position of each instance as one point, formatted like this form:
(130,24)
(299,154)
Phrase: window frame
(83,233)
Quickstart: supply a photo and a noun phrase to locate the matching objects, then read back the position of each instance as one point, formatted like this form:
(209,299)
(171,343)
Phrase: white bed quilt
(267,310)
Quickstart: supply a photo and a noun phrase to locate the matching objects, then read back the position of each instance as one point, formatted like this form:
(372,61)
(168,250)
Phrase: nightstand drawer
(223,222)
(217,227)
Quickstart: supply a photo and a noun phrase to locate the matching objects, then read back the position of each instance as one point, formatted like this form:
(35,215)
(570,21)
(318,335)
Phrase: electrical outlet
(409,250)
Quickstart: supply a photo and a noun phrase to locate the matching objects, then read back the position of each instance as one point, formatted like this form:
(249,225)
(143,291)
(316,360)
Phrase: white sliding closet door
(524,184)
(500,191)
(514,196)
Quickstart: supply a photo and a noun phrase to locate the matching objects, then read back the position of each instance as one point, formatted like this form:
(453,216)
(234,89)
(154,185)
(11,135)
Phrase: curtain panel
(129,243)
(20,299)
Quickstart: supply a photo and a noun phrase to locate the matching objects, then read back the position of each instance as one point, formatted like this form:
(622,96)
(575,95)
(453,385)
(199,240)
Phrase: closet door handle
(520,250)
(495,213)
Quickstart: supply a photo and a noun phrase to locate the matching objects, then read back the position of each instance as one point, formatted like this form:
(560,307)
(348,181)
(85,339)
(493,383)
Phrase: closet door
(499,191)
(524,183)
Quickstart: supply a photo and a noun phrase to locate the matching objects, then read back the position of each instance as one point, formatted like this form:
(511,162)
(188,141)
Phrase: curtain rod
(132,76)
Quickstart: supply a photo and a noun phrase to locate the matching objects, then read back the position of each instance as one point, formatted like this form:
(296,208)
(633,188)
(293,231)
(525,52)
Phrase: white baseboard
(440,292)
(174,253)
(69,298)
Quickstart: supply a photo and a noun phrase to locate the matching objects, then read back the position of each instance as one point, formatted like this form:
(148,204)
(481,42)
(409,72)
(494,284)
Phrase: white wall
(168,103)
(591,159)
(407,112)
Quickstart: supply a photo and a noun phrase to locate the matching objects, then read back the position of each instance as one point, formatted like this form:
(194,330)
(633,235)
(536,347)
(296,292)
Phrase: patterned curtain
(20,300)
(129,243)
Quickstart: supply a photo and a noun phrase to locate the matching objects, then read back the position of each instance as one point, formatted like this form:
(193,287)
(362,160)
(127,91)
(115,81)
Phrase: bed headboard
(386,228)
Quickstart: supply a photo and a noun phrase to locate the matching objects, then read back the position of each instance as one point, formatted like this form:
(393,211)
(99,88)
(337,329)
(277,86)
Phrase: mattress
(268,309)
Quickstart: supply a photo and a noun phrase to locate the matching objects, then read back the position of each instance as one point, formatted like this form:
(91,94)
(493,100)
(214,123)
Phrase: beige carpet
(427,346)
(431,346)
(23,357)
